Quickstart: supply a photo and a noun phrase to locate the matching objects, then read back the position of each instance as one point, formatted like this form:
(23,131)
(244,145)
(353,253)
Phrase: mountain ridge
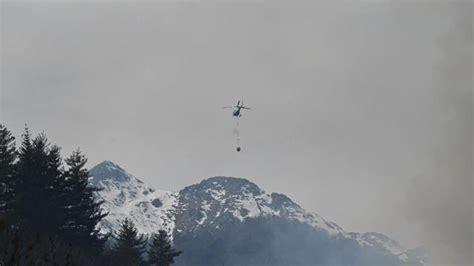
(213,204)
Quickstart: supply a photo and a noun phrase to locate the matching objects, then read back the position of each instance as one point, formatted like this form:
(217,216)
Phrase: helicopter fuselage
(236,111)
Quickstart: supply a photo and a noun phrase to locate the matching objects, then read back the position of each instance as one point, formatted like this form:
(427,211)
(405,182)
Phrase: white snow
(390,246)
(203,219)
(216,194)
(133,200)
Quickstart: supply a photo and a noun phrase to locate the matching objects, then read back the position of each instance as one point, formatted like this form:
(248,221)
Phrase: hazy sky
(361,111)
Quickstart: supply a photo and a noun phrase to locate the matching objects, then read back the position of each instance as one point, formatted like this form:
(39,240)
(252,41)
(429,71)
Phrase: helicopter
(237,108)
(237,113)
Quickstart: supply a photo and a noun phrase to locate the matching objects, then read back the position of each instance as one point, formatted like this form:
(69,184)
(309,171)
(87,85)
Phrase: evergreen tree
(83,209)
(24,170)
(37,205)
(130,245)
(161,252)
(7,160)
(39,208)
(52,212)
(9,241)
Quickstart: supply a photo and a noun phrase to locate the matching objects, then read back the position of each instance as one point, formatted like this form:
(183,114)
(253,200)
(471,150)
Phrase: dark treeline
(49,214)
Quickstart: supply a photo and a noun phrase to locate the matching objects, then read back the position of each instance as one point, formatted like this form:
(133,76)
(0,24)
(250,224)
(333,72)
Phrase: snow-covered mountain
(207,211)
(223,199)
(125,196)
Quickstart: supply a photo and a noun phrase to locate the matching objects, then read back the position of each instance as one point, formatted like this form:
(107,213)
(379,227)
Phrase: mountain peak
(230,184)
(108,170)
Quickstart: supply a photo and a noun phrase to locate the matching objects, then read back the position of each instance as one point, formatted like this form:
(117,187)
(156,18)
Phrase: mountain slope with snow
(125,196)
(209,212)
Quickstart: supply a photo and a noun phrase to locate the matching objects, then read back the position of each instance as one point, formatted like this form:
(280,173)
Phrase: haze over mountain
(231,221)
